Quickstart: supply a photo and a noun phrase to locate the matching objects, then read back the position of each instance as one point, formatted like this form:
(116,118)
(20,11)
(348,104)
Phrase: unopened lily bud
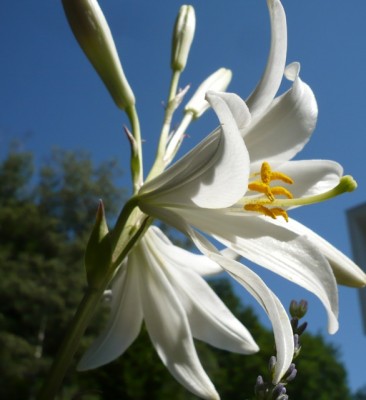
(98,252)
(298,309)
(217,82)
(91,30)
(183,34)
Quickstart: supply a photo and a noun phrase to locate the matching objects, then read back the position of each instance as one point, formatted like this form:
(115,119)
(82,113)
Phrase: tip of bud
(298,309)
(185,26)
(92,32)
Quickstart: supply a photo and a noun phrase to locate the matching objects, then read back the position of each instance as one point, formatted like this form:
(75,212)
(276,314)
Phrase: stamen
(267,175)
(279,176)
(263,186)
(277,211)
(259,208)
(271,206)
(258,186)
(269,212)
(280,190)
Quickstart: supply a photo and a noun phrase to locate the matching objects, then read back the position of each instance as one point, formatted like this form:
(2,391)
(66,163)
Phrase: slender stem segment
(136,157)
(121,243)
(169,111)
(177,138)
(71,341)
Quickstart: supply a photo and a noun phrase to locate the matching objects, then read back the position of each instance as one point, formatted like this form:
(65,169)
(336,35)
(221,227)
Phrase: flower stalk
(136,149)
(183,35)
(121,240)
(72,338)
(197,105)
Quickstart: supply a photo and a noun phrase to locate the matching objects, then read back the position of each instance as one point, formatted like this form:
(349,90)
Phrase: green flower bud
(98,252)
(184,28)
(91,30)
(217,82)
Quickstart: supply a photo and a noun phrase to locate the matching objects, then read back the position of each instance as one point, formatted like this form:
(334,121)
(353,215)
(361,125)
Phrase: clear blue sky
(51,96)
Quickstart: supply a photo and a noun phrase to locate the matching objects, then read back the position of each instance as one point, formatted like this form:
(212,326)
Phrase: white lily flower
(276,135)
(223,187)
(207,190)
(211,178)
(161,284)
(222,190)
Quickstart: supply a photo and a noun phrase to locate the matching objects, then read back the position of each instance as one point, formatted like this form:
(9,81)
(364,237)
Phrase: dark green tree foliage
(44,225)
(43,231)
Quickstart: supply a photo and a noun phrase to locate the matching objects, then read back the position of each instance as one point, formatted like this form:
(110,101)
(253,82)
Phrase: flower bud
(183,34)
(217,82)
(298,309)
(98,252)
(91,30)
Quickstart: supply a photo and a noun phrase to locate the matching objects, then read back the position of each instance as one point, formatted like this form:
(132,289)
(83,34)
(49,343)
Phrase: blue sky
(50,96)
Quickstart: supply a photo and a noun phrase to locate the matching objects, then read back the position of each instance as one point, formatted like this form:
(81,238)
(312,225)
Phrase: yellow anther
(279,212)
(280,190)
(266,173)
(263,186)
(261,209)
(269,212)
(280,176)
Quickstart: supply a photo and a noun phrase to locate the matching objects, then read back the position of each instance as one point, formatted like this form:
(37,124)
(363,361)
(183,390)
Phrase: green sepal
(98,254)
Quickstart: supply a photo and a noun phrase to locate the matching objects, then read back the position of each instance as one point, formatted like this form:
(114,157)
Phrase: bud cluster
(267,390)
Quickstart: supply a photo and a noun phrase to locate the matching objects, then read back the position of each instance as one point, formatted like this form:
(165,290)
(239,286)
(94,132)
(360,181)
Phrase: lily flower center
(272,206)
(267,176)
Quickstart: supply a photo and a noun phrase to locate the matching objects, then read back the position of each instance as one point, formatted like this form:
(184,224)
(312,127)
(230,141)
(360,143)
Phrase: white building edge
(357,227)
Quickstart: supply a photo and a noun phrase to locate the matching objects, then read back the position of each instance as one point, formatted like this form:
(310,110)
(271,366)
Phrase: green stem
(169,111)
(91,299)
(177,138)
(71,341)
(136,157)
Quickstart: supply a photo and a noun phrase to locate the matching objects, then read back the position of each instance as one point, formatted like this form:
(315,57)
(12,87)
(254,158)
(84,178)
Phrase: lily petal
(182,258)
(286,126)
(238,108)
(124,323)
(209,318)
(274,247)
(270,82)
(212,175)
(168,327)
(270,303)
(345,270)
